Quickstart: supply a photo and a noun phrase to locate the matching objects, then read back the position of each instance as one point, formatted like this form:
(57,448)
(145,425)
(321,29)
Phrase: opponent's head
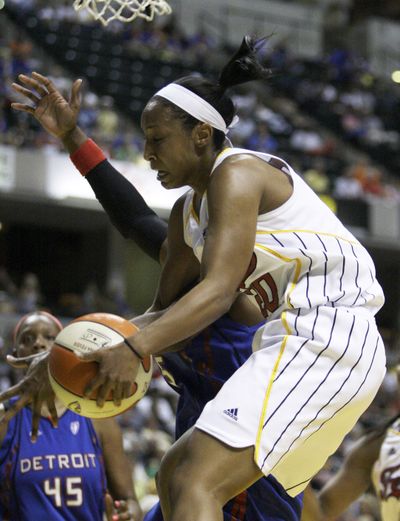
(191,117)
(34,333)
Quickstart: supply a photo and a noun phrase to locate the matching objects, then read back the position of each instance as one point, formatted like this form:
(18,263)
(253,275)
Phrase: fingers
(122,513)
(122,510)
(109,507)
(43,80)
(15,408)
(23,108)
(36,85)
(75,99)
(18,363)
(26,92)
(94,356)
(15,390)
(104,387)
(126,390)
(36,410)
(93,385)
(104,392)
(53,411)
(117,393)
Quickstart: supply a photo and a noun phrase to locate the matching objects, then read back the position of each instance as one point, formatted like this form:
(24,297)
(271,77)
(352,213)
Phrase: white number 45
(73,491)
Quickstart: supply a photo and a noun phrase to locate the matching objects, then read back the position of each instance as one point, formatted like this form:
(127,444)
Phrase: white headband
(194,105)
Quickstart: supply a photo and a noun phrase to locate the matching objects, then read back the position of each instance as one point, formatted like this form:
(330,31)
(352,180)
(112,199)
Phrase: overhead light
(396,76)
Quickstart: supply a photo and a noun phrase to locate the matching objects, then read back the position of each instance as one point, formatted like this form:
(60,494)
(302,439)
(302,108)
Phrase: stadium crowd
(331,118)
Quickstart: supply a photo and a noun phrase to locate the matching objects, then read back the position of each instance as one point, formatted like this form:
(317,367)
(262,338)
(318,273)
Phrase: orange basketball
(69,375)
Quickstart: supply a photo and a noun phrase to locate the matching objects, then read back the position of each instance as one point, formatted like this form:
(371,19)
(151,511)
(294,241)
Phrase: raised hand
(56,115)
(34,388)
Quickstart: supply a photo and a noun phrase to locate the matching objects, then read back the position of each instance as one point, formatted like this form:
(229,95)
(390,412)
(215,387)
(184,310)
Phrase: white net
(123,10)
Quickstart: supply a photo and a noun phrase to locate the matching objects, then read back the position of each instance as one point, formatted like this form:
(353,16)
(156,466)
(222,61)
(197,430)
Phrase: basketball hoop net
(123,10)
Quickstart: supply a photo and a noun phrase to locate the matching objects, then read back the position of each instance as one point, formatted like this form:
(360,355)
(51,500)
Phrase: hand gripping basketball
(118,368)
(92,369)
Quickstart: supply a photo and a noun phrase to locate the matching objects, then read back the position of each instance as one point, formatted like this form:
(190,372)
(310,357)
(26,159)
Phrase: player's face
(170,147)
(37,334)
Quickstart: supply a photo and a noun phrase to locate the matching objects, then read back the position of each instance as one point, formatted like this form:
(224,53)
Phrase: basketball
(69,375)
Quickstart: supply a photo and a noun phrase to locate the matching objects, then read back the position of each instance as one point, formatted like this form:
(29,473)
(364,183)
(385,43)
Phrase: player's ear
(202,134)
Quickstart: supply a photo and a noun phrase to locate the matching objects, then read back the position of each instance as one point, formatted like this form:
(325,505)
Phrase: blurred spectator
(262,140)
(6,283)
(317,179)
(305,138)
(107,120)
(373,184)
(348,186)
(29,297)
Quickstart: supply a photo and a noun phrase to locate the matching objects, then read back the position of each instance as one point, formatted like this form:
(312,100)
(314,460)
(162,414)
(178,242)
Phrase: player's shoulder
(239,166)
(180,202)
(237,160)
(178,207)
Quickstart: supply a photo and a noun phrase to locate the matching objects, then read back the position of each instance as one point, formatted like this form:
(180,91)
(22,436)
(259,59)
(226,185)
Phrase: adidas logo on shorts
(232,413)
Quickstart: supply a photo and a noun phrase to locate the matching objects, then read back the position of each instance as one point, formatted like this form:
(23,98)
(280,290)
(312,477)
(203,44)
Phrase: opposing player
(251,224)
(373,460)
(65,473)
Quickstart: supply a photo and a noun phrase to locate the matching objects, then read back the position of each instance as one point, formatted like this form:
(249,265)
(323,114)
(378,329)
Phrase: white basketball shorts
(303,389)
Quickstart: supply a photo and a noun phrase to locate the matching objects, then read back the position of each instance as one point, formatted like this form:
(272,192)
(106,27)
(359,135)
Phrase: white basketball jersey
(303,256)
(386,474)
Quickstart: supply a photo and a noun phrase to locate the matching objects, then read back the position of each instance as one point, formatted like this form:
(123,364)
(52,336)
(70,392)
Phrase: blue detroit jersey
(197,373)
(60,477)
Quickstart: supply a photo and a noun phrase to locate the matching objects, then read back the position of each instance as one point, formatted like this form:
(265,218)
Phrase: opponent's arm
(181,269)
(127,209)
(123,204)
(352,480)
(118,467)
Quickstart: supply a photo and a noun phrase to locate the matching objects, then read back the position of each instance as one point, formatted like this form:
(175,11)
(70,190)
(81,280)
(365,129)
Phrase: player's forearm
(74,139)
(124,205)
(190,315)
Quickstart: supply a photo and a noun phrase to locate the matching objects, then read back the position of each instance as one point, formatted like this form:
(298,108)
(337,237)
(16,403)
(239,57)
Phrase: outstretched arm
(123,204)
(352,480)
(34,388)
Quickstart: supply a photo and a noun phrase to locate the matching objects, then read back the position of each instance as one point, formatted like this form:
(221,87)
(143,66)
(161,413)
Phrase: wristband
(133,349)
(87,156)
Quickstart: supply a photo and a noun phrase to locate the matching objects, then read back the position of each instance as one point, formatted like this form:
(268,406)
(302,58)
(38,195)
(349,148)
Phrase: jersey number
(72,491)
(263,289)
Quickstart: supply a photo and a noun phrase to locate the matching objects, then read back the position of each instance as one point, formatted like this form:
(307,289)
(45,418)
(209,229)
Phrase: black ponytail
(244,65)
(241,68)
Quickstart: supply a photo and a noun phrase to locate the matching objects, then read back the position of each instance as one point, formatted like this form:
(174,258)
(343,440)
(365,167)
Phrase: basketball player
(252,225)
(211,357)
(64,473)
(374,459)
(209,360)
